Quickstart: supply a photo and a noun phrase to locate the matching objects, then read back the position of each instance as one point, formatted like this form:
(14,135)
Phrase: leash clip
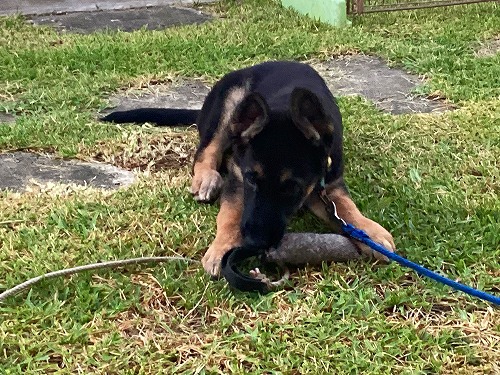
(331,208)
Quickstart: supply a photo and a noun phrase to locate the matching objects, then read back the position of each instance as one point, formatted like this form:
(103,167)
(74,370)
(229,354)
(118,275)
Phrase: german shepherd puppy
(270,135)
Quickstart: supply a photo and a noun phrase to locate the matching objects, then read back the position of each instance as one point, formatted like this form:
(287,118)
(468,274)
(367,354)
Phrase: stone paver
(18,168)
(389,88)
(156,18)
(183,94)
(30,7)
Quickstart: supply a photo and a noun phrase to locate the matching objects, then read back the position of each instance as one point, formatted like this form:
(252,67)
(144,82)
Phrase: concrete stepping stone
(154,18)
(19,169)
(183,94)
(29,7)
(390,89)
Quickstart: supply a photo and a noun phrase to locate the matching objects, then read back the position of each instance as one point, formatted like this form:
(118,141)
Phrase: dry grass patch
(147,150)
(478,329)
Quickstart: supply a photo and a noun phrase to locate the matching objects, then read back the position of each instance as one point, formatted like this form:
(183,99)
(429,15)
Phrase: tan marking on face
(285,174)
(309,189)
(235,169)
(257,168)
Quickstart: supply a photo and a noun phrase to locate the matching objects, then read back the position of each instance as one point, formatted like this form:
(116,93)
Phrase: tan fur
(309,131)
(348,211)
(228,233)
(253,130)
(211,156)
(209,160)
(207,181)
(317,207)
(346,208)
(285,175)
(257,168)
(310,189)
(235,169)
(234,97)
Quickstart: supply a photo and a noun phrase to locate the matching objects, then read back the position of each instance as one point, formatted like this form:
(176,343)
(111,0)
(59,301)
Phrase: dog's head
(282,156)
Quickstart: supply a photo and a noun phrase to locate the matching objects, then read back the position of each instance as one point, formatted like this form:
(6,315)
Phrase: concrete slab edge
(12,7)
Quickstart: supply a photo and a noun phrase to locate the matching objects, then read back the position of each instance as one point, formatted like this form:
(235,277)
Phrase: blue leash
(361,236)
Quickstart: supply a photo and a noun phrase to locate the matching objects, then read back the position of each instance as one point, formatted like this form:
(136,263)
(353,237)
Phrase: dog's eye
(292,189)
(251,178)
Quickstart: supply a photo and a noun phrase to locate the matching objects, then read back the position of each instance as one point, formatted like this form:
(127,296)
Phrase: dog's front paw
(206,185)
(378,234)
(211,261)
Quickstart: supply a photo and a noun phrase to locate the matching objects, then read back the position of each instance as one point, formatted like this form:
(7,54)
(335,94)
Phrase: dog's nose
(261,231)
(261,240)
(254,243)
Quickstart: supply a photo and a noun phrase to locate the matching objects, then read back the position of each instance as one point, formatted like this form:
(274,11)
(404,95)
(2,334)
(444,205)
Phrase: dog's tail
(158,116)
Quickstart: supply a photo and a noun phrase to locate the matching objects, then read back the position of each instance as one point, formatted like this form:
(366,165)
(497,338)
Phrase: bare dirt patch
(162,148)
(150,152)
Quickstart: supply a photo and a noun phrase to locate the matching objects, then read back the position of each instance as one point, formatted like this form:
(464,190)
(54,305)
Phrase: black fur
(158,116)
(301,129)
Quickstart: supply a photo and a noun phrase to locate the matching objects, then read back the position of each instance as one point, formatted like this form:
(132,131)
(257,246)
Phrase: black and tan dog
(269,135)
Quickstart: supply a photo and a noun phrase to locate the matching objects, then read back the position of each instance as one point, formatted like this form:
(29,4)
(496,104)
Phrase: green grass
(433,180)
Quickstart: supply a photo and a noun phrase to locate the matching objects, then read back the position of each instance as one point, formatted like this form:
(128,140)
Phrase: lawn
(432,179)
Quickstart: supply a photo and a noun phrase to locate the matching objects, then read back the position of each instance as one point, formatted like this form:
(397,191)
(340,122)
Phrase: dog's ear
(309,116)
(249,117)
